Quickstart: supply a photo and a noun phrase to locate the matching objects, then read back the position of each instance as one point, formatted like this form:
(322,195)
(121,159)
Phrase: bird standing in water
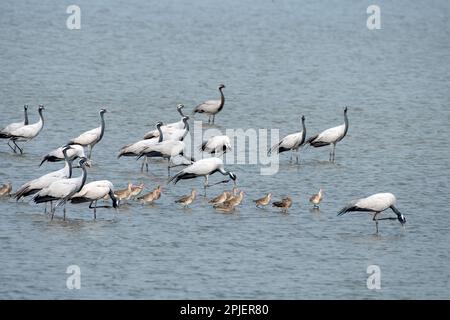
(316,199)
(284,204)
(264,201)
(187,200)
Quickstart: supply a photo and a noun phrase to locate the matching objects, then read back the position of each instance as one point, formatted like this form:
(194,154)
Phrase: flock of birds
(166,142)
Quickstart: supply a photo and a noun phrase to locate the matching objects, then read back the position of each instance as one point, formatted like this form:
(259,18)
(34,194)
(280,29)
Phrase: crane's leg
(376,220)
(297,156)
(168,167)
(146,163)
(64,212)
(53,212)
(290,159)
(21,151)
(209,119)
(90,151)
(13,149)
(214,118)
(95,210)
(334,151)
(205,185)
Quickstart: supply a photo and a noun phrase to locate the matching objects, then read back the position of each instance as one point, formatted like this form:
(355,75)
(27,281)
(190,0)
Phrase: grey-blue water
(279,60)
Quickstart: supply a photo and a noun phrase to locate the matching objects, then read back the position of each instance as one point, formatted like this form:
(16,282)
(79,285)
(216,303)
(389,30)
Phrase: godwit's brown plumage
(123,194)
(5,190)
(136,191)
(317,198)
(284,204)
(221,198)
(231,203)
(151,196)
(187,200)
(264,201)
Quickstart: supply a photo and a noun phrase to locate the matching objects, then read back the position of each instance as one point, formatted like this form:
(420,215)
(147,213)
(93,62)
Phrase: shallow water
(279,60)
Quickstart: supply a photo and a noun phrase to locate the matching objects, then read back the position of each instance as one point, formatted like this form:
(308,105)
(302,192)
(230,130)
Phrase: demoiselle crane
(26,133)
(375,204)
(204,168)
(94,191)
(168,128)
(330,136)
(212,107)
(62,190)
(14,126)
(90,138)
(291,142)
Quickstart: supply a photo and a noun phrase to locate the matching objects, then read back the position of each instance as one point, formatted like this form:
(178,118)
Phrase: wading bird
(57,155)
(330,136)
(212,107)
(231,203)
(168,128)
(291,142)
(36,185)
(217,145)
(123,194)
(204,168)
(90,138)
(94,191)
(284,204)
(25,133)
(151,197)
(136,149)
(187,200)
(136,191)
(375,204)
(14,126)
(5,190)
(171,150)
(264,201)
(221,198)
(62,190)
(316,199)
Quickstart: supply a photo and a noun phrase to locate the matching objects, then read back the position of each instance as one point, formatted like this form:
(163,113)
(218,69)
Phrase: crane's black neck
(113,198)
(180,111)
(160,134)
(345,123)
(222,99)
(25,121)
(102,128)
(83,177)
(186,129)
(303,132)
(41,116)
